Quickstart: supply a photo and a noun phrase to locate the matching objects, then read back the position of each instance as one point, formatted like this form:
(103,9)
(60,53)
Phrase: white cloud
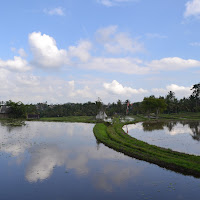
(81,51)
(120,65)
(85,92)
(110,3)
(103,34)
(22,52)
(27,87)
(55,11)
(192,8)
(46,53)
(17,64)
(116,88)
(173,63)
(129,65)
(43,162)
(28,79)
(180,91)
(117,42)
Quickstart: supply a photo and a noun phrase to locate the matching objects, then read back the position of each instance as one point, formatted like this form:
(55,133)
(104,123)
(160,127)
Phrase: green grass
(114,137)
(84,119)
(12,122)
(182,116)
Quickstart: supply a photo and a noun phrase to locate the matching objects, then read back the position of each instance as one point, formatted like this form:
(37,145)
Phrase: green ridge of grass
(114,137)
(83,119)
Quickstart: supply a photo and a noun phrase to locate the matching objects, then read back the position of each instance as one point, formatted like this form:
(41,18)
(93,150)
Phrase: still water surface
(182,136)
(48,160)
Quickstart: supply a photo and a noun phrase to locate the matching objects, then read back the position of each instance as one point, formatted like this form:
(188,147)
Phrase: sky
(63,51)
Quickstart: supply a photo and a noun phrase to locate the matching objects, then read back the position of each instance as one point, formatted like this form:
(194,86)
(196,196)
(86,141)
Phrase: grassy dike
(114,137)
(83,119)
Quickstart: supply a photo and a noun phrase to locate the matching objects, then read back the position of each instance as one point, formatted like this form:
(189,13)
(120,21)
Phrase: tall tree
(99,104)
(172,102)
(196,95)
(17,109)
(153,105)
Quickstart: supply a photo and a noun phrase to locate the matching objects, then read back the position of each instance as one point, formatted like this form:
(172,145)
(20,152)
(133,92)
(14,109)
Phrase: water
(49,160)
(183,136)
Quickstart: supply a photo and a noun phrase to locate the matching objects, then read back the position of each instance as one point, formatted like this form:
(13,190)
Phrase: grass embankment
(181,116)
(84,119)
(12,122)
(114,137)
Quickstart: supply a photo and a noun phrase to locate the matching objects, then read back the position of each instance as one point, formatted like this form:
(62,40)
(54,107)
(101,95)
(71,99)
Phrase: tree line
(167,104)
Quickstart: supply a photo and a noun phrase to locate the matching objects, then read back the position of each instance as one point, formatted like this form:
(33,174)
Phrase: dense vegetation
(168,104)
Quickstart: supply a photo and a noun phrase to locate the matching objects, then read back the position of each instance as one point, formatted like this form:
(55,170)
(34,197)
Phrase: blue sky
(76,51)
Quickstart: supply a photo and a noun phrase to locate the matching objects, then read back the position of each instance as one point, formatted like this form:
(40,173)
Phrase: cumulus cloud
(55,11)
(116,88)
(27,87)
(173,63)
(192,8)
(22,52)
(46,54)
(128,65)
(81,51)
(121,65)
(45,51)
(117,42)
(28,79)
(85,92)
(17,64)
(180,91)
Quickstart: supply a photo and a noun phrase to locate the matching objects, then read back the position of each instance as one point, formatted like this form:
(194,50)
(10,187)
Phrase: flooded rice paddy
(182,136)
(49,160)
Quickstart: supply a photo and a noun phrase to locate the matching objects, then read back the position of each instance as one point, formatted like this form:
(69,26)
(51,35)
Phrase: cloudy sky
(76,51)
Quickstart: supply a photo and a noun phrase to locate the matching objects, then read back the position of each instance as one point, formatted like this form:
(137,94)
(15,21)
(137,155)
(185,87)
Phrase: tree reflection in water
(152,126)
(195,127)
(159,125)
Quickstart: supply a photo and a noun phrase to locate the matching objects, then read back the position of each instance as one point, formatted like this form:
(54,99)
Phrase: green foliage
(196,90)
(195,97)
(172,103)
(153,105)
(99,104)
(17,109)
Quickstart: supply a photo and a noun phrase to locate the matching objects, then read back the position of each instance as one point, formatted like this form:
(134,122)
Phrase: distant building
(4,111)
(101,115)
(33,116)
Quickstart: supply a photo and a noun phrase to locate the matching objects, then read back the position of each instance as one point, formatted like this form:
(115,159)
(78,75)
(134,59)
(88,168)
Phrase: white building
(102,115)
